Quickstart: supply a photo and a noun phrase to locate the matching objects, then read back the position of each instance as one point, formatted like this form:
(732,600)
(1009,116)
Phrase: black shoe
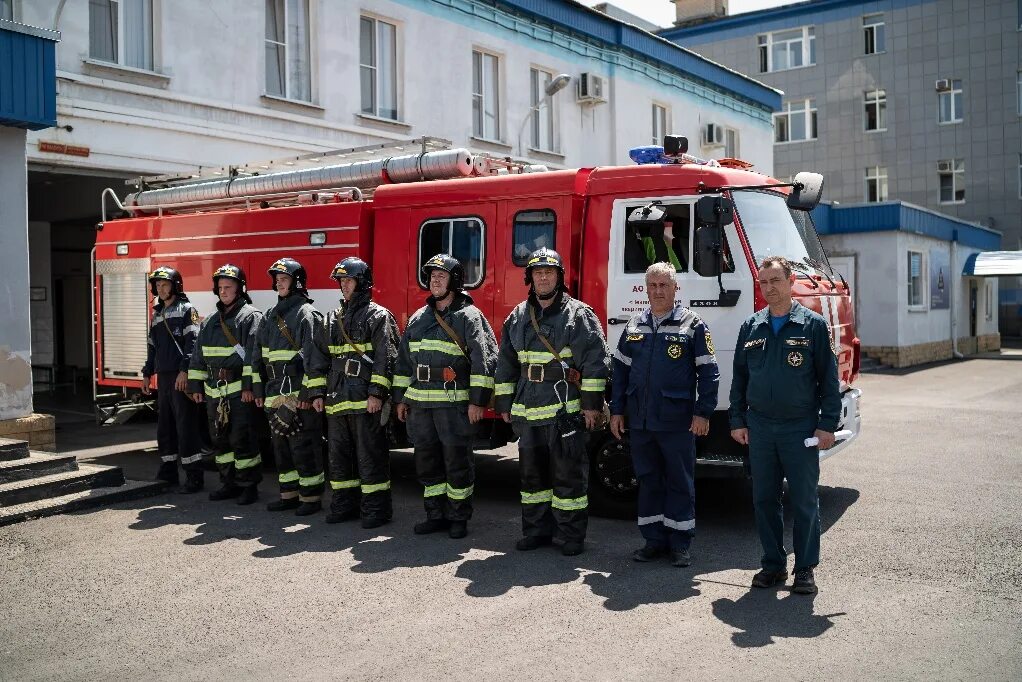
(249,494)
(649,553)
(531,542)
(573,548)
(431,526)
(373,522)
(767,578)
(458,530)
(308,508)
(192,485)
(224,492)
(805,582)
(168,473)
(283,504)
(342,516)
(681,558)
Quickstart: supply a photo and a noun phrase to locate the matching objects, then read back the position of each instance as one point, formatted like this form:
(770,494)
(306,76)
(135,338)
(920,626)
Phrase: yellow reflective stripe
(537,497)
(541,356)
(435,396)
(288,476)
(480,381)
(246,371)
(344,485)
(375,487)
(504,389)
(198,374)
(222,391)
(348,348)
(544,411)
(402,381)
(313,383)
(435,345)
(217,351)
(225,458)
(594,384)
(459,493)
(434,490)
(248,463)
(347,405)
(279,355)
(570,504)
(312,480)
(380,379)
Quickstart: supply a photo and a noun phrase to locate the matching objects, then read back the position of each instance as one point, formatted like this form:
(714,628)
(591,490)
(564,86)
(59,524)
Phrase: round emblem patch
(795,358)
(674,350)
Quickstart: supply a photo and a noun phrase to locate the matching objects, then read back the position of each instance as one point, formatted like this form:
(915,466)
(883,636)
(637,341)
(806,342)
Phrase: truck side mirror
(715,210)
(647,221)
(713,213)
(807,191)
(706,250)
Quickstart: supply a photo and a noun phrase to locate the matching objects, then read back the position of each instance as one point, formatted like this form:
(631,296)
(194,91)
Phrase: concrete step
(13,449)
(83,499)
(35,465)
(87,477)
(870,365)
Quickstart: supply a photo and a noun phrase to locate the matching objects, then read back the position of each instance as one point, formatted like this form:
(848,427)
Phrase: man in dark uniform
(551,376)
(355,351)
(221,354)
(785,390)
(284,340)
(172,333)
(443,382)
(665,381)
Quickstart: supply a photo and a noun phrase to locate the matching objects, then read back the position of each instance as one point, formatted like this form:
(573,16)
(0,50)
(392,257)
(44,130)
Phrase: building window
(532,230)
(797,122)
(876,110)
(661,123)
(1018,90)
(288,62)
(783,50)
(876,184)
(873,33)
(952,181)
(121,32)
(378,67)
(949,101)
(731,143)
(544,119)
(462,238)
(988,300)
(1020,176)
(485,95)
(915,279)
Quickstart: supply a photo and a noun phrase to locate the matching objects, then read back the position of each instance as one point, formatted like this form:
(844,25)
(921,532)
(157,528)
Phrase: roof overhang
(993,264)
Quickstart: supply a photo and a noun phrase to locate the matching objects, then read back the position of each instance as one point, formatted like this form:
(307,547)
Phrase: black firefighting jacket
(171,351)
(276,367)
(217,363)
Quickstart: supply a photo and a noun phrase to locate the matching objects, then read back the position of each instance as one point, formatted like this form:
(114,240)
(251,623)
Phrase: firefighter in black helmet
(172,331)
(355,351)
(551,374)
(442,384)
(218,364)
(284,340)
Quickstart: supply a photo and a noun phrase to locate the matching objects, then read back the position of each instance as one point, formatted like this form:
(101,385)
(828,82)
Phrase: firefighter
(215,376)
(443,382)
(665,382)
(284,340)
(551,374)
(172,333)
(355,350)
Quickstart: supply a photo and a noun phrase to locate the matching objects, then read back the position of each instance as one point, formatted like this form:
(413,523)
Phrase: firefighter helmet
(168,274)
(232,272)
(545,258)
(448,264)
(291,267)
(357,269)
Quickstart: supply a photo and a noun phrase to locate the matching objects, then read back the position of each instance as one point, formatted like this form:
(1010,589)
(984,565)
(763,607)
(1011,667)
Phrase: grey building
(912,100)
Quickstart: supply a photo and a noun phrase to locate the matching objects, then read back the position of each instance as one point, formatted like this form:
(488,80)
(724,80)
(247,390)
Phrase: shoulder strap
(227,331)
(170,333)
(287,335)
(450,332)
(572,375)
(347,338)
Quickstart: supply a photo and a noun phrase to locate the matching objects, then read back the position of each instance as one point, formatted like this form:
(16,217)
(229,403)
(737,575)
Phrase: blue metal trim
(28,79)
(896,216)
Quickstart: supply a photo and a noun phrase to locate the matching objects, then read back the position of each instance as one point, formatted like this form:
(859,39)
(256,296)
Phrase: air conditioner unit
(590,89)
(943,85)
(713,135)
(943,166)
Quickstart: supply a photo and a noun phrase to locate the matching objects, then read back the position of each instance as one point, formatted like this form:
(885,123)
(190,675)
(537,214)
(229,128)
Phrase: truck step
(35,465)
(13,449)
(86,477)
(83,499)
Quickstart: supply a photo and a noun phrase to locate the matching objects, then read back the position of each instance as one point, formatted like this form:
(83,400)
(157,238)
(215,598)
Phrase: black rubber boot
(531,542)
(342,516)
(168,472)
(224,492)
(458,530)
(193,483)
(431,526)
(249,494)
(283,504)
(308,508)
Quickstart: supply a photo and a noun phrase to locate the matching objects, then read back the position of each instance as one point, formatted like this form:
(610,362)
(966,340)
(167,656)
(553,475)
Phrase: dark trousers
(665,463)
(300,459)
(359,456)
(776,452)
(177,426)
(444,462)
(554,473)
(235,444)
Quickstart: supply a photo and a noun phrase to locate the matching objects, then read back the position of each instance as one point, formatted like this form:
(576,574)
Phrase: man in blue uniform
(665,382)
(785,390)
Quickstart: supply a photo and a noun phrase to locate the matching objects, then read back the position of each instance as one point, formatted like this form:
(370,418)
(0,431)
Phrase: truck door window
(532,230)
(664,242)
(462,238)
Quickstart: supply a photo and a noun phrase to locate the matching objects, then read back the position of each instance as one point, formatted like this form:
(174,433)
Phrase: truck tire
(613,489)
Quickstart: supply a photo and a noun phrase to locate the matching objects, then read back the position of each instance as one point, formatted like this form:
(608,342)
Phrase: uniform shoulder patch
(195,316)
(709,343)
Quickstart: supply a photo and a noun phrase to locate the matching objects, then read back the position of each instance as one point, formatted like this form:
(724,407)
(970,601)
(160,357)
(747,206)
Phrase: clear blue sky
(661,12)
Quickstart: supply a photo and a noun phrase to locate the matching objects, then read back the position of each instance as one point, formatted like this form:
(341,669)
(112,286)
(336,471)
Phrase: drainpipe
(954,304)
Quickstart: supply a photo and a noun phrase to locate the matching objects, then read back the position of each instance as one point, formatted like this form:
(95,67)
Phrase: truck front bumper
(850,421)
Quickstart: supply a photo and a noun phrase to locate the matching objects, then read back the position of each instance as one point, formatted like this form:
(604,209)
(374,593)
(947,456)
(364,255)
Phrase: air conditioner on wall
(943,85)
(713,135)
(943,166)
(590,89)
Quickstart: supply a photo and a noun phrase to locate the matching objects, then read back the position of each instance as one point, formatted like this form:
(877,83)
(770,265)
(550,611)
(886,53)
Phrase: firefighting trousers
(236,443)
(177,426)
(664,464)
(554,471)
(300,459)
(777,452)
(443,460)
(359,457)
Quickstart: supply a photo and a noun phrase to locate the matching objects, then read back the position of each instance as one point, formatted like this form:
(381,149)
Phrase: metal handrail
(356,195)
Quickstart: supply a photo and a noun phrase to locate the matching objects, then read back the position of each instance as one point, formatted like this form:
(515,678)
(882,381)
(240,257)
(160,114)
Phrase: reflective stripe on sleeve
(594,384)
(198,375)
(480,381)
(380,380)
(313,383)
(217,351)
(402,381)
(504,389)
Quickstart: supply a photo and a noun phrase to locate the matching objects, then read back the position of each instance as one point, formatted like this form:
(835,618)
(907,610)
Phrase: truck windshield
(775,230)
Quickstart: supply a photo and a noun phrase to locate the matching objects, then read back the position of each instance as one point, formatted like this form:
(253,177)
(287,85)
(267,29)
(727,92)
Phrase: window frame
(954,110)
(879,100)
(514,229)
(809,112)
(880,177)
(1018,91)
(288,94)
(120,58)
(988,302)
(957,181)
(870,27)
(15,10)
(736,151)
(451,219)
(375,66)
(537,94)
(666,109)
(921,305)
(497,91)
(765,45)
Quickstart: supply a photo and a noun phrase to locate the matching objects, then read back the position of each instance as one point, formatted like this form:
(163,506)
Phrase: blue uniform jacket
(663,376)
(173,351)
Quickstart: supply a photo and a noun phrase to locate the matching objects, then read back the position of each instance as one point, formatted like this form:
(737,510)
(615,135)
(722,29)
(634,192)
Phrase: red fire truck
(395,206)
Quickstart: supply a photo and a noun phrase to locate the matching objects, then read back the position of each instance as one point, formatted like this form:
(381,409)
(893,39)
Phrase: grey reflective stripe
(646,520)
(618,355)
(705,360)
(680,525)
(193,459)
(169,458)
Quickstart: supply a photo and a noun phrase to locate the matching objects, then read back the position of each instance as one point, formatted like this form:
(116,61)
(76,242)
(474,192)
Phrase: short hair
(778,261)
(662,268)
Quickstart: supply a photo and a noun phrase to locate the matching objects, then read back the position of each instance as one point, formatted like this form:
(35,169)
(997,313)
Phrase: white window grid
(785,50)
(951,175)
(950,105)
(544,119)
(915,281)
(731,146)
(875,111)
(378,57)
(121,32)
(876,184)
(661,123)
(797,122)
(486,104)
(874,34)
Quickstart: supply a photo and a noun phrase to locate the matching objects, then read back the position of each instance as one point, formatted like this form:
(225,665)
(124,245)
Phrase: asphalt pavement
(921,574)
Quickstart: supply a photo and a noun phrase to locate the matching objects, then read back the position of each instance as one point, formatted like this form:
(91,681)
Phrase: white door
(845,265)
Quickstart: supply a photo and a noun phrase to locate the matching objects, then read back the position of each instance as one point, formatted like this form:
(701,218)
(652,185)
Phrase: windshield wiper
(819,267)
(803,271)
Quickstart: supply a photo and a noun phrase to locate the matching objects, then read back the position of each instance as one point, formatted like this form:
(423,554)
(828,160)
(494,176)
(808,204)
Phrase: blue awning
(993,264)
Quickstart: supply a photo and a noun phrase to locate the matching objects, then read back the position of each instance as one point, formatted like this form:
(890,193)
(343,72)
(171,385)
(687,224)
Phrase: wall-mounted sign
(940,280)
(61,148)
